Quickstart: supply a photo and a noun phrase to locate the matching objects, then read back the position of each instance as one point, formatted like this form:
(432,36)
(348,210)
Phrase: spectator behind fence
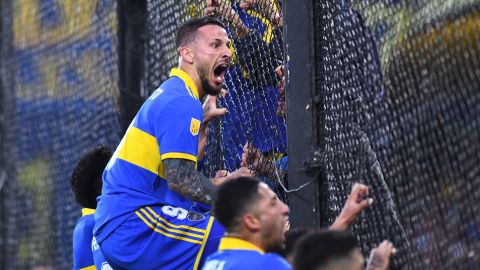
(257,45)
(337,250)
(154,209)
(86,183)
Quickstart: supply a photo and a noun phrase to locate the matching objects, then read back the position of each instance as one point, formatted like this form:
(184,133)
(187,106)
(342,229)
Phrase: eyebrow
(220,40)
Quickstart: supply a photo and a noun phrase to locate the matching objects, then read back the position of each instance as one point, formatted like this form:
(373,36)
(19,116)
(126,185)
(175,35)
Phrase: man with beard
(255,221)
(154,209)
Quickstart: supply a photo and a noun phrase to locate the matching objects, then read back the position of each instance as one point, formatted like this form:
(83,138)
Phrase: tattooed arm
(380,256)
(183,178)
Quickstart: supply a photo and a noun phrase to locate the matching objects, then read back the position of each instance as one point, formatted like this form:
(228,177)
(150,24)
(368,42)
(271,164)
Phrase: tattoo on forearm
(376,262)
(184,179)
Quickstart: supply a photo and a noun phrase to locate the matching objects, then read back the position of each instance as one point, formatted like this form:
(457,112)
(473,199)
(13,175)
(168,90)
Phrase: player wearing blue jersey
(86,183)
(337,250)
(255,221)
(154,209)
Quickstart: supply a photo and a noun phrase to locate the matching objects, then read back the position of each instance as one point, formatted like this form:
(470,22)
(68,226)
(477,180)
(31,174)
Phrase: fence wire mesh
(251,81)
(397,89)
(59,98)
(399,102)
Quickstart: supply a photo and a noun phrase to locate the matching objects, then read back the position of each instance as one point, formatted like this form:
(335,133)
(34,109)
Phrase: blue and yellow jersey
(166,126)
(82,241)
(237,254)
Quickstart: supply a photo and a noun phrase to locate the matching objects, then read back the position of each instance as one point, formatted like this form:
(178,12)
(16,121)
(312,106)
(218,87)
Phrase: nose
(227,53)
(285,208)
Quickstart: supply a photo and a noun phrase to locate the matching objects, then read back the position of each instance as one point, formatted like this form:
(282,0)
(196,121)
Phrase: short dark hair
(186,32)
(317,249)
(86,178)
(232,200)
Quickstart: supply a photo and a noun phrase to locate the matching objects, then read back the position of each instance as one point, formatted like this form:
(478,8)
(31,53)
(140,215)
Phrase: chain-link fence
(398,85)
(395,92)
(251,81)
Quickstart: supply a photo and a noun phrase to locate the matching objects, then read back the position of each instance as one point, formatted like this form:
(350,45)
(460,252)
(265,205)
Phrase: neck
(195,77)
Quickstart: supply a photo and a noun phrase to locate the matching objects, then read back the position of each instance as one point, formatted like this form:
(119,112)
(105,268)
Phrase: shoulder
(169,104)
(275,261)
(174,91)
(84,227)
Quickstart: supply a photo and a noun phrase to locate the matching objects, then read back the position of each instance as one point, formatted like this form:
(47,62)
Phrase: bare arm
(183,178)
(356,202)
(380,256)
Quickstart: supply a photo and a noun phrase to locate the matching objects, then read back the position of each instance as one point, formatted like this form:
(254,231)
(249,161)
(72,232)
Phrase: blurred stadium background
(394,102)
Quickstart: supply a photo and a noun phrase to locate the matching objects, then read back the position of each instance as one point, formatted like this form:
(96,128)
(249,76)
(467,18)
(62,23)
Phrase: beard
(204,80)
(272,243)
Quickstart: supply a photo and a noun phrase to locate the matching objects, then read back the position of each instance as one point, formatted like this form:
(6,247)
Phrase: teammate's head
(204,50)
(250,209)
(328,250)
(291,240)
(86,178)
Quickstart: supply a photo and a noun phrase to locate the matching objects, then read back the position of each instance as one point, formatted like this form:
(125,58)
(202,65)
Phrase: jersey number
(177,212)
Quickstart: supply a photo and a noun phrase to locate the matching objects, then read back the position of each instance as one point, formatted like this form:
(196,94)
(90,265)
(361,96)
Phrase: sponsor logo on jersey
(157,93)
(94,244)
(214,265)
(194,216)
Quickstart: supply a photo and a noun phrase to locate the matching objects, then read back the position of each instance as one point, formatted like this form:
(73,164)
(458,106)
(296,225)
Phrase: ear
(186,54)
(251,222)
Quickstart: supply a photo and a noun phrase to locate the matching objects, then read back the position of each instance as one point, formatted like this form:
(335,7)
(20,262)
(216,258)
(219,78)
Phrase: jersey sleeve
(82,239)
(177,128)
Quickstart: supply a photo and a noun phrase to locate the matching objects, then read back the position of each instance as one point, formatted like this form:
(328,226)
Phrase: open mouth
(219,72)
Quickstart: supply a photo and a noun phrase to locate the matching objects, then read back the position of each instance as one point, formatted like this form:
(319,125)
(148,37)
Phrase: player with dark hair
(328,250)
(337,250)
(154,209)
(254,219)
(291,238)
(86,183)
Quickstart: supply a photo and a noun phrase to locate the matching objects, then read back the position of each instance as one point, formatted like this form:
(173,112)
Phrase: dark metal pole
(299,42)
(132,16)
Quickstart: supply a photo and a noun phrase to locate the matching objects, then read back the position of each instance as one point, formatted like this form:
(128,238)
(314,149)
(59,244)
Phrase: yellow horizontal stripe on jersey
(141,149)
(179,155)
(173,225)
(170,229)
(165,233)
(87,211)
(186,79)
(91,267)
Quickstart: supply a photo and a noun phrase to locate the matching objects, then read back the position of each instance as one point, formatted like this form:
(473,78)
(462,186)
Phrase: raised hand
(356,202)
